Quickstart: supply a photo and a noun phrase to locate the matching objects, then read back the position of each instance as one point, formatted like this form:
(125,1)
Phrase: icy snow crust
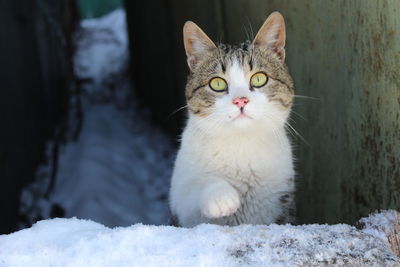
(74,242)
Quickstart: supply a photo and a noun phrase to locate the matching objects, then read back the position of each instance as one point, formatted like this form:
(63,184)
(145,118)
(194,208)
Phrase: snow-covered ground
(117,172)
(73,242)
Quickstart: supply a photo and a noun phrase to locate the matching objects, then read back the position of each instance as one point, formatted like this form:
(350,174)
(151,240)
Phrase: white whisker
(297,133)
(176,111)
(299,115)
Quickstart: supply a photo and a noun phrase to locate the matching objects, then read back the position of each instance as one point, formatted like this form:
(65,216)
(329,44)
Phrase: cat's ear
(272,34)
(196,42)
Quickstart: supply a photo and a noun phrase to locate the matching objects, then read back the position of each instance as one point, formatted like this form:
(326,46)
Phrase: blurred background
(91,92)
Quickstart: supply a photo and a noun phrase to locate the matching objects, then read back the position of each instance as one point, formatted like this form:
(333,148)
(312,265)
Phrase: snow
(380,224)
(74,242)
(117,172)
(102,48)
(114,173)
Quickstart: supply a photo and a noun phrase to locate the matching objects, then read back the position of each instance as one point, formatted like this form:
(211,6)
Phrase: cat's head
(239,87)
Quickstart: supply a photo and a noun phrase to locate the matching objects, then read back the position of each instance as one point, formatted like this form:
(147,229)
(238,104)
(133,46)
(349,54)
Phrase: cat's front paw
(219,201)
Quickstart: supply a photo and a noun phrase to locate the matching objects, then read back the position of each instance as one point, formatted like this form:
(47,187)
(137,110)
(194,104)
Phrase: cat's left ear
(272,35)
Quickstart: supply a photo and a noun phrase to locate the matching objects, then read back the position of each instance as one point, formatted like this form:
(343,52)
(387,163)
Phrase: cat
(235,163)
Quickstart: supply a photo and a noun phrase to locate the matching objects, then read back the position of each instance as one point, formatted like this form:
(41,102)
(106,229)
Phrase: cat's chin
(242,121)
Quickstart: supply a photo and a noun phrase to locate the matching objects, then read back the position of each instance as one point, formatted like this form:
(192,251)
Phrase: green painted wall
(97,8)
(346,54)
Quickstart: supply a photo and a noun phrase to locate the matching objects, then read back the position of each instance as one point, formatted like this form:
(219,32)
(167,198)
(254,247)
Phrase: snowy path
(117,173)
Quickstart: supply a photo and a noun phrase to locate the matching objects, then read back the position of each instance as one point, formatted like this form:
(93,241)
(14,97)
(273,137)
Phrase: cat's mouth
(242,115)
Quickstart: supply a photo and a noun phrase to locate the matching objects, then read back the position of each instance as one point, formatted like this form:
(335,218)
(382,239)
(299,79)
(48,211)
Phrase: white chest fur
(231,179)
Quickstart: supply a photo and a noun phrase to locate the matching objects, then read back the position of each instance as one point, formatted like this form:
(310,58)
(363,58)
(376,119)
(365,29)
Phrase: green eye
(258,79)
(218,84)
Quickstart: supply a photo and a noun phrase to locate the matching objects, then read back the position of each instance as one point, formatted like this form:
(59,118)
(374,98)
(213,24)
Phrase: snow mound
(74,242)
(102,49)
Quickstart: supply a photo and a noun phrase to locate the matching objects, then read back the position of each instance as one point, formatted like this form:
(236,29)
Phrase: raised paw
(219,201)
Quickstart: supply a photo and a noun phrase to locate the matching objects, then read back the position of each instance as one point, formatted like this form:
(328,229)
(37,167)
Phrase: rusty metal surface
(346,54)
(35,75)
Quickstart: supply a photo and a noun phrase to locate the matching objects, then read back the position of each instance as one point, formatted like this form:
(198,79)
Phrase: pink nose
(240,101)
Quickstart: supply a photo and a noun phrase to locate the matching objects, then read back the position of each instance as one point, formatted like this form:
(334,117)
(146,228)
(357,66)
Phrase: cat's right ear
(272,35)
(196,42)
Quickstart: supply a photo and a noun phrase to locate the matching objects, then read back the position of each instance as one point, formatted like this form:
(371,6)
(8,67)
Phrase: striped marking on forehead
(241,52)
(238,84)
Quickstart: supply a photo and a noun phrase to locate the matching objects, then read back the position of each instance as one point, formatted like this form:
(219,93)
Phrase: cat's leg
(288,208)
(219,199)
(196,199)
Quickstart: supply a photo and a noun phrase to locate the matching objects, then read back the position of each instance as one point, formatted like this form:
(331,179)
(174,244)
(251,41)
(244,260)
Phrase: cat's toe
(220,204)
